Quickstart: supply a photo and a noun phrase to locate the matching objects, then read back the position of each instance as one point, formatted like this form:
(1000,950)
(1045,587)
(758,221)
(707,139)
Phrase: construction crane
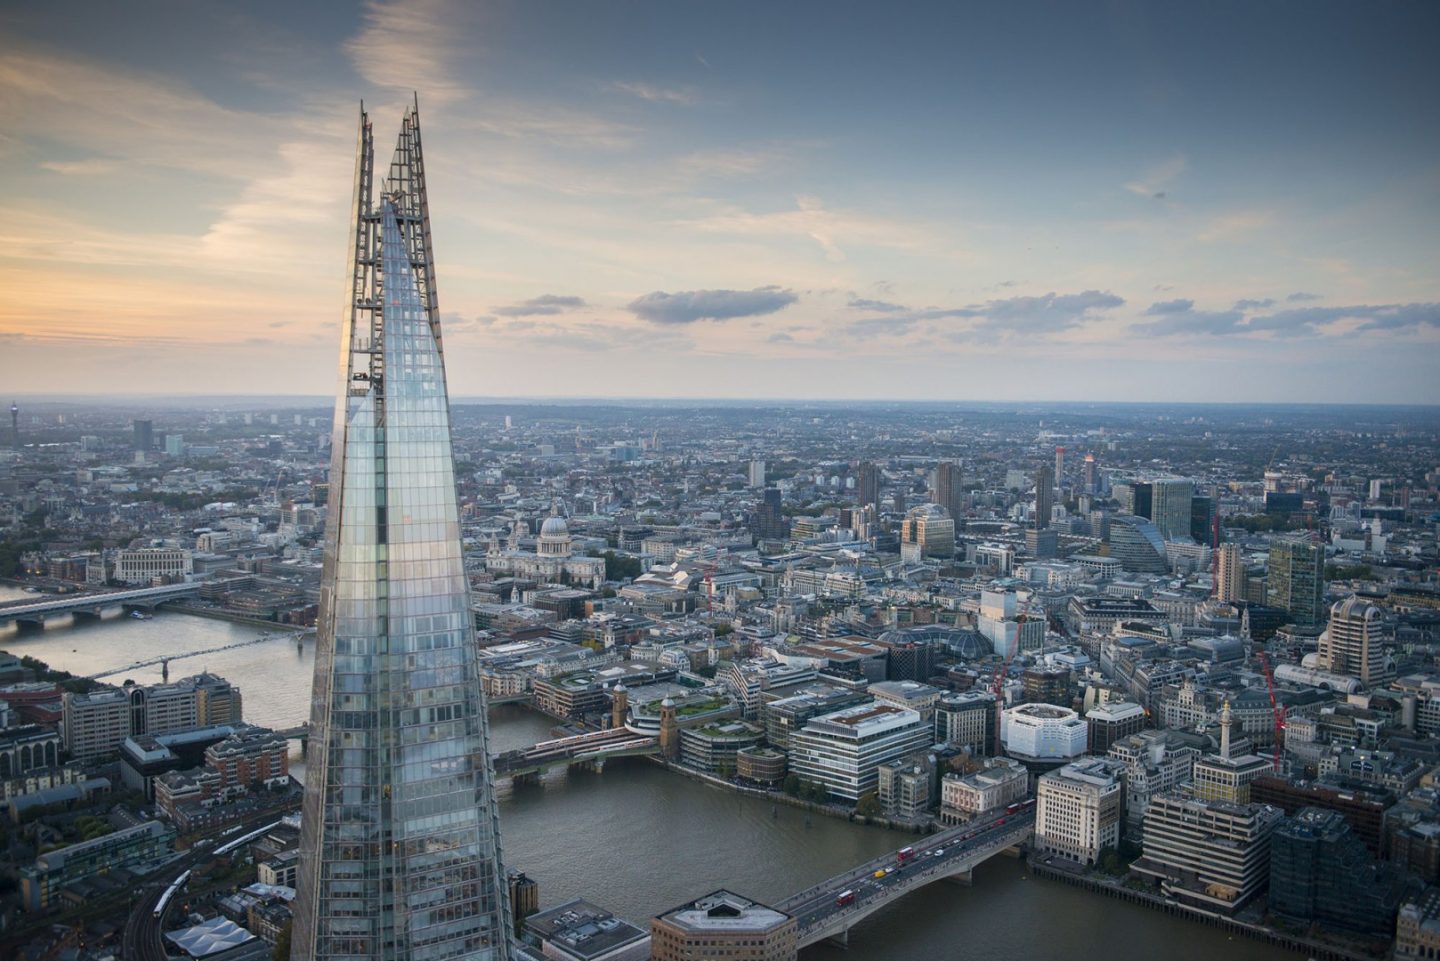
(1004,670)
(1276,708)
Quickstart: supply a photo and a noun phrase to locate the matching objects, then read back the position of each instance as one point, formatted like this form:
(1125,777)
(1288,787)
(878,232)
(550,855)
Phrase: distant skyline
(1030,202)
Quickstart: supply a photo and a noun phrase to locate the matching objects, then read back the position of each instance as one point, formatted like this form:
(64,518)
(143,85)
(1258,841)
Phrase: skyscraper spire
(399,846)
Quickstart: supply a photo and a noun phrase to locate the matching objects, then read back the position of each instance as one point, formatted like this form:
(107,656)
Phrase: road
(955,845)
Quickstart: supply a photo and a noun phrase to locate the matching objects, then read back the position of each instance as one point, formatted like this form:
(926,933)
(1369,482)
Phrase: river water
(639,840)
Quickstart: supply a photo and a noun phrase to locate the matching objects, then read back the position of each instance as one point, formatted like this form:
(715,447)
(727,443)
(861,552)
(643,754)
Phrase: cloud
(1229,226)
(411,45)
(688,306)
(1047,313)
(1254,304)
(781,338)
(654,94)
(544,304)
(1301,295)
(833,230)
(79,168)
(1152,183)
(1044,314)
(883,306)
(1161,308)
(1295,322)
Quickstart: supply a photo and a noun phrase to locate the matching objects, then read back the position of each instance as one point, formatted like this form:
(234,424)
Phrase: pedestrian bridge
(831,908)
(92,604)
(587,749)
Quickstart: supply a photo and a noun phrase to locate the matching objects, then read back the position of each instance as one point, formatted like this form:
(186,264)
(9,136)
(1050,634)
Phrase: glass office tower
(399,847)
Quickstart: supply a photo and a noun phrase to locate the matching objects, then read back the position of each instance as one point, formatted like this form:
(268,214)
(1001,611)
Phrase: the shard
(399,847)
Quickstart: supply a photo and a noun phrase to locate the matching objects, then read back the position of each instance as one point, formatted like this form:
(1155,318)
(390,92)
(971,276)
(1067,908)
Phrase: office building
(723,925)
(1170,505)
(581,931)
(1320,872)
(843,750)
(927,531)
(768,523)
(146,565)
(1001,782)
(906,788)
(1111,722)
(1079,809)
(144,435)
(1059,467)
(399,847)
(1227,776)
(1230,574)
(43,883)
(1044,498)
(867,486)
(1156,762)
(1137,545)
(756,475)
(1352,643)
(1043,732)
(1090,474)
(1203,513)
(1047,685)
(967,719)
(946,489)
(1295,578)
(1209,854)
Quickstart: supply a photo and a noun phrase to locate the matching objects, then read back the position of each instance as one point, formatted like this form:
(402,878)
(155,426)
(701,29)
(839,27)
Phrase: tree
(791,785)
(869,805)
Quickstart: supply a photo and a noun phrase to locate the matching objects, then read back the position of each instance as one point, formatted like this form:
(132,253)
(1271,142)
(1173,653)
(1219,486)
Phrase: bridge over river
(832,907)
(93,603)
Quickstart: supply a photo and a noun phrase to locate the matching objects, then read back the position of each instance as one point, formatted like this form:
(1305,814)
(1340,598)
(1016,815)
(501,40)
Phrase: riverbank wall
(1316,950)
(234,617)
(779,797)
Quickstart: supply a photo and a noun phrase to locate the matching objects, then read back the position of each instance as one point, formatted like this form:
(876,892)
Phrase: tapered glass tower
(399,848)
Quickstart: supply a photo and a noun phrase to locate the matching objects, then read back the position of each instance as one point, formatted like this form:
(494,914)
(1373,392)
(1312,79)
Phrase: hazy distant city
(800,482)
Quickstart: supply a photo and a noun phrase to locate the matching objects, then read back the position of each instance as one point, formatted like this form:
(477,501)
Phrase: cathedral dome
(554,527)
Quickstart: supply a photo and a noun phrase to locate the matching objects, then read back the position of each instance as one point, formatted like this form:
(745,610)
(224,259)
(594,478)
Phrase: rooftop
(724,911)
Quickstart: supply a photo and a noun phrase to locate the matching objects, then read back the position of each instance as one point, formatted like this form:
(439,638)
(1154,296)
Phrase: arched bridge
(592,749)
(832,907)
(36,612)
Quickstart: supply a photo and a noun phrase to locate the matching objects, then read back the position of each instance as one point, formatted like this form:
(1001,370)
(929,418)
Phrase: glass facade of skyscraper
(399,847)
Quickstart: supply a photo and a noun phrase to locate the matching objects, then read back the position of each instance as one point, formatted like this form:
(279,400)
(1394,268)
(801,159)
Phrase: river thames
(640,840)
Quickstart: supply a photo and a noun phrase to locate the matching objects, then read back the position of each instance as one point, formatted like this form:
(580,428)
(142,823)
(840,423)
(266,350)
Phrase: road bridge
(831,908)
(591,749)
(93,603)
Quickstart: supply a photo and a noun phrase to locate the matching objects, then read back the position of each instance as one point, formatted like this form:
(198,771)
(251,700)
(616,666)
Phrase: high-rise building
(1295,578)
(1230,574)
(144,435)
(867,486)
(1044,498)
(768,523)
(1137,544)
(1351,644)
(1091,474)
(757,473)
(1059,467)
(1202,519)
(399,841)
(1170,503)
(15,425)
(946,489)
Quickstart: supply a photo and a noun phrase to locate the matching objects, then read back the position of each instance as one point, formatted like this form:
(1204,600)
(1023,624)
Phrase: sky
(972,201)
